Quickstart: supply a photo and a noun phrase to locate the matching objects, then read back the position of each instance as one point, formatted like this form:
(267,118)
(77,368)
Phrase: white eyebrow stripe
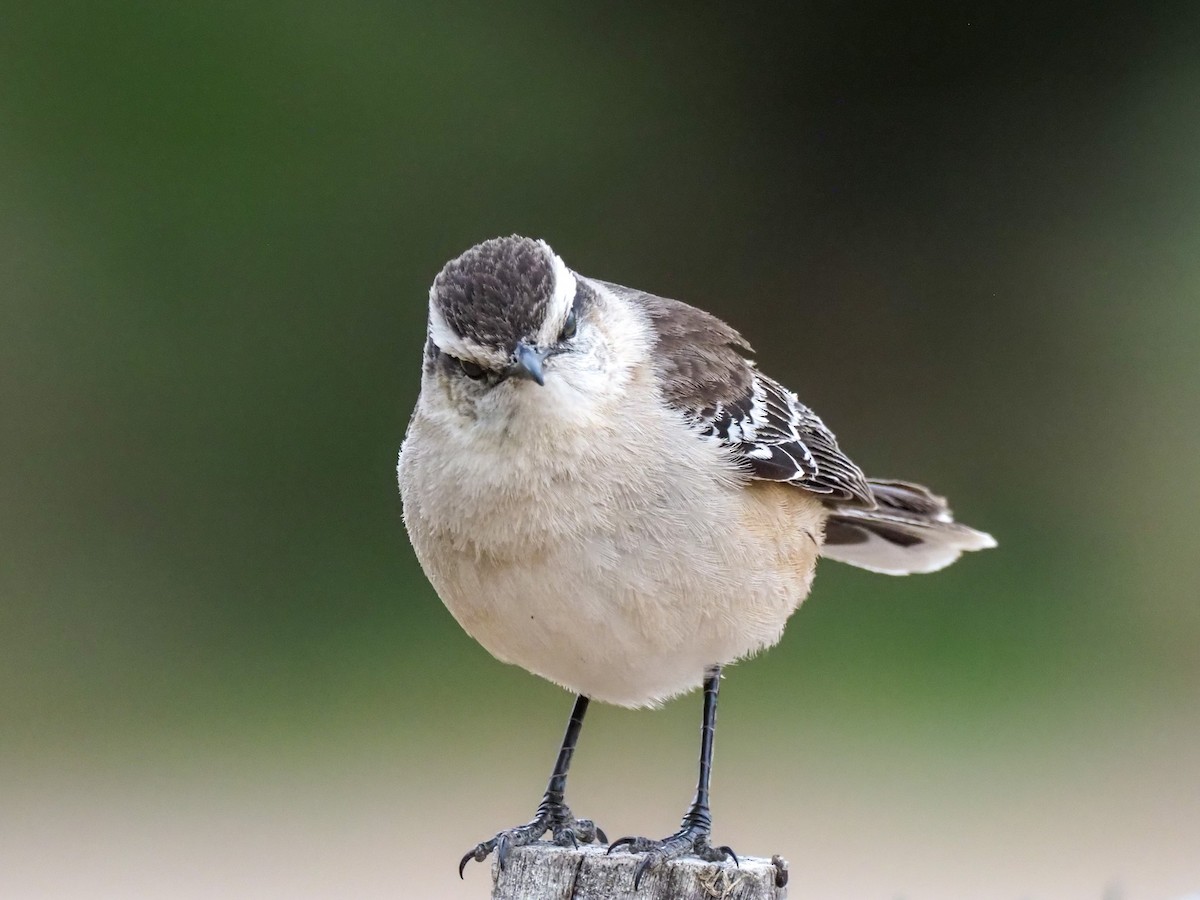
(444,337)
(441,333)
(561,300)
(448,341)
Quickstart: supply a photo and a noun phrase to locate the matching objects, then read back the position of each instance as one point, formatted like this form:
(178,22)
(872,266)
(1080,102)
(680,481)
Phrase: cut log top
(546,872)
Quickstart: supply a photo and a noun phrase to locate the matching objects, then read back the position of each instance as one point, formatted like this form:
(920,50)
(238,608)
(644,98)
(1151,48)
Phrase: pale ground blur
(1113,812)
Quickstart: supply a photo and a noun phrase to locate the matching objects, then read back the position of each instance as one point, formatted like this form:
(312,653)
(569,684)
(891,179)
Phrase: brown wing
(774,436)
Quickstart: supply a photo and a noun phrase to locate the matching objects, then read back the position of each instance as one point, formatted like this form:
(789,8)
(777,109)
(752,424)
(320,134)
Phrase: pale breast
(617,565)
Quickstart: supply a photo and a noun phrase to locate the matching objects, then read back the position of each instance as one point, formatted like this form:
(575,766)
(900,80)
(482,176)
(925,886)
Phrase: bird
(604,489)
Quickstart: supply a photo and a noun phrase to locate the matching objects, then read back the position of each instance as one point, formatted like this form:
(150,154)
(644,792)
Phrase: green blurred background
(968,236)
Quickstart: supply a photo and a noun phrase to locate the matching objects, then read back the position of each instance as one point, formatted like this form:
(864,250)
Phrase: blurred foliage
(968,238)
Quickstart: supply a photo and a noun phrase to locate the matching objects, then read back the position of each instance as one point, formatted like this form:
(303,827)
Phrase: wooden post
(546,872)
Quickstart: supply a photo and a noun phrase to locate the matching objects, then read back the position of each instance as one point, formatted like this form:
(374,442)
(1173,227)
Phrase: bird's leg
(695,833)
(552,813)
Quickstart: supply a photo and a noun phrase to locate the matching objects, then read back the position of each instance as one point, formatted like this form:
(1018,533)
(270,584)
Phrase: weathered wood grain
(546,872)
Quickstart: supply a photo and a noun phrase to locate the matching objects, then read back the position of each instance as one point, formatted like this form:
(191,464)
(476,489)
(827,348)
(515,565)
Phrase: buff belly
(635,617)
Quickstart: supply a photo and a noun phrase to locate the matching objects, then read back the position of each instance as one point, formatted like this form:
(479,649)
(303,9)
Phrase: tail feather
(910,530)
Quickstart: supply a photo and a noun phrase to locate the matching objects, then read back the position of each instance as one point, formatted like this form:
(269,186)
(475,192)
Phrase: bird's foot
(693,839)
(551,816)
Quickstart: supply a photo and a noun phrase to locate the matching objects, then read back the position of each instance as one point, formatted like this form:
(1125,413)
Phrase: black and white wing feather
(774,436)
(894,527)
(784,440)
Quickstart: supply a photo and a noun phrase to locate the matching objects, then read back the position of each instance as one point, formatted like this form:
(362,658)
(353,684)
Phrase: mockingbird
(604,490)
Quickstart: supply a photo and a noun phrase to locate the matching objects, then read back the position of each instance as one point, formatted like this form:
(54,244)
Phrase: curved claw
(642,869)
(566,838)
(619,842)
(568,832)
(686,842)
(462,865)
(600,835)
(499,843)
(503,848)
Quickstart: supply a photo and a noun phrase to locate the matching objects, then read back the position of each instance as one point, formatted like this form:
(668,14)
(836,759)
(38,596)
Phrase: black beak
(528,363)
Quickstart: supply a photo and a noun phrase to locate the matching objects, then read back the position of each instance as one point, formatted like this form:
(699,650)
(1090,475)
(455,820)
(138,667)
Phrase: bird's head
(512,329)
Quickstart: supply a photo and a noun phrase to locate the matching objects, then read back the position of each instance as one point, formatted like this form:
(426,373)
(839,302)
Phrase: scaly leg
(552,813)
(695,833)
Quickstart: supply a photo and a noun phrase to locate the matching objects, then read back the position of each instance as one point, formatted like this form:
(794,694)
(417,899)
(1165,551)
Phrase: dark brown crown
(497,292)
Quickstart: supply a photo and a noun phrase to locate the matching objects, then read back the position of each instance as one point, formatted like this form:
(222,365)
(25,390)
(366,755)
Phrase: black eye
(569,327)
(472,370)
